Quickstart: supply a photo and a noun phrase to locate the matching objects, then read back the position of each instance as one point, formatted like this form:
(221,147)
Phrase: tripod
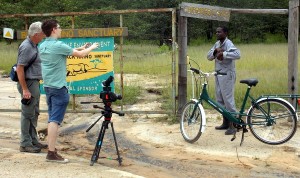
(106,113)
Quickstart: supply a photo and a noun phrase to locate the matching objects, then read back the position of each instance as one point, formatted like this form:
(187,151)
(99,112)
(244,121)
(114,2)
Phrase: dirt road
(148,148)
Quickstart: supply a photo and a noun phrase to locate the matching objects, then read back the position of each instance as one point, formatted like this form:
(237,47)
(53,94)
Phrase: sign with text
(85,75)
(204,12)
(86,32)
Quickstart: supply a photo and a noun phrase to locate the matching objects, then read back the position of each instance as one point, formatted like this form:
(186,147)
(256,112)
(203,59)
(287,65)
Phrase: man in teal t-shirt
(53,55)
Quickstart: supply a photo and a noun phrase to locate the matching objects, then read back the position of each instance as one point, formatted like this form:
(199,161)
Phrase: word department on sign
(101,44)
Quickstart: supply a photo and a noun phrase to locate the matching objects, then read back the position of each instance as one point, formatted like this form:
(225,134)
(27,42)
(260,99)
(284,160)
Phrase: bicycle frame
(296,102)
(235,117)
(229,115)
(265,112)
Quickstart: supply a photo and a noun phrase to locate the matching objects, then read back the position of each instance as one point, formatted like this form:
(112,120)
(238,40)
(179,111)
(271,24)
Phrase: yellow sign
(8,33)
(87,32)
(91,66)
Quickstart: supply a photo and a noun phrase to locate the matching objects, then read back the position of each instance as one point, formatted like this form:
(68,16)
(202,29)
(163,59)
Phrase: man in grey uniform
(225,53)
(29,88)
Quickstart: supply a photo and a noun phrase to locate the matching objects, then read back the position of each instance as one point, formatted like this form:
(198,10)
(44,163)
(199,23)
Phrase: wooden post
(121,63)
(182,64)
(73,95)
(73,21)
(174,60)
(26,23)
(293,48)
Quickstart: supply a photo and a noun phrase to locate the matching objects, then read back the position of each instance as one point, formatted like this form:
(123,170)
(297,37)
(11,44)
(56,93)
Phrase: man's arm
(231,52)
(211,53)
(21,76)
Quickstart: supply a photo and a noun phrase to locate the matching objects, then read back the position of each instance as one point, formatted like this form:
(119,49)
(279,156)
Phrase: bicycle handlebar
(207,74)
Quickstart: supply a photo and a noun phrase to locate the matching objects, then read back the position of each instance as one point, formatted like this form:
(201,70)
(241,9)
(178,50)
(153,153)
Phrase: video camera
(106,95)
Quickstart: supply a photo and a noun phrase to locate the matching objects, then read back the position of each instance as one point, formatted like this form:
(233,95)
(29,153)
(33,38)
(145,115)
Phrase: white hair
(34,28)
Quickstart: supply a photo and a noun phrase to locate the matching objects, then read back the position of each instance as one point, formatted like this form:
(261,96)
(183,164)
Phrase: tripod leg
(98,145)
(116,144)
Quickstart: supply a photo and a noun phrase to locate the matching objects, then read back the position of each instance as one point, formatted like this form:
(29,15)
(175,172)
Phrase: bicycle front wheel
(272,121)
(191,122)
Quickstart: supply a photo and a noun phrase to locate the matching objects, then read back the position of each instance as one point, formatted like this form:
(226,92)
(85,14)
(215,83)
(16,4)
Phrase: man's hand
(220,56)
(217,50)
(218,53)
(26,94)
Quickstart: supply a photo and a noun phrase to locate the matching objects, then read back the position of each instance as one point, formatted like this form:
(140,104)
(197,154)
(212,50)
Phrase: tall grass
(8,55)
(266,62)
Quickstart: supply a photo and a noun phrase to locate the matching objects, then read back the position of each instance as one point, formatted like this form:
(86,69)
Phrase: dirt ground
(148,147)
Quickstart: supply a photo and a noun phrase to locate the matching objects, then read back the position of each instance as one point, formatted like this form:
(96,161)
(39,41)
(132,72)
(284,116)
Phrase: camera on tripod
(107,95)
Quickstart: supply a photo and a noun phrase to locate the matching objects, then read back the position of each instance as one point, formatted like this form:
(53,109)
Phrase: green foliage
(8,54)
(130,96)
(244,28)
(164,48)
(266,62)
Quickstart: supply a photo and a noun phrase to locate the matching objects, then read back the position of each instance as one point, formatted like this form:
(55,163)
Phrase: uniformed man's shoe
(222,127)
(230,131)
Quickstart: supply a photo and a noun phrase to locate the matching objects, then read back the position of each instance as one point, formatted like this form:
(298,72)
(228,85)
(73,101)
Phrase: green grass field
(266,62)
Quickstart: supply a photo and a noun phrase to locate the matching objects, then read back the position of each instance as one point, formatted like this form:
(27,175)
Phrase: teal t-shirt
(53,54)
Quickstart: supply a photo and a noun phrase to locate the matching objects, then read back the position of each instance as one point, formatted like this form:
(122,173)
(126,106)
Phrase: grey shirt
(230,54)
(27,52)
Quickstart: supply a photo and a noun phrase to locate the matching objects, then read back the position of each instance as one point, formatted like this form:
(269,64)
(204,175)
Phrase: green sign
(85,75)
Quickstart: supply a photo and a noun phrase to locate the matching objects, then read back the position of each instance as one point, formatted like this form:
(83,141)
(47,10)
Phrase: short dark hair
(48,26)
(224,29)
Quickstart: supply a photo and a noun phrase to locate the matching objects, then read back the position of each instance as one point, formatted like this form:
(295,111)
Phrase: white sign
(8,33)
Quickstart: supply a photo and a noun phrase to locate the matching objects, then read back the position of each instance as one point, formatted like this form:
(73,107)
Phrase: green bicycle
(272,120)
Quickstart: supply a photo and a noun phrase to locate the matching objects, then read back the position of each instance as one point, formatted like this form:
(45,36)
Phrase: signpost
(84,75)
(86,32)
(8,33)
(204,12)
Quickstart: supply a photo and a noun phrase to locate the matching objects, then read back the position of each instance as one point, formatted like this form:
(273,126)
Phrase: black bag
(13,72)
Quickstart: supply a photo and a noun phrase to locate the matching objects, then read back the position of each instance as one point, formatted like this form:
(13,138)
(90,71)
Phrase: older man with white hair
(29,74)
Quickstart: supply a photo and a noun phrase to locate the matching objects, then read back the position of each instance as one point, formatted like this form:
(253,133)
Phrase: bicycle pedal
(245,130)
(233,137)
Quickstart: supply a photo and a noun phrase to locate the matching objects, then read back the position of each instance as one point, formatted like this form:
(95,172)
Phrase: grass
(8,55)
(266,62)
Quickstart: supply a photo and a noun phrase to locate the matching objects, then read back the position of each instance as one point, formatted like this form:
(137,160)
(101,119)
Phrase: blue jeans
(57,101)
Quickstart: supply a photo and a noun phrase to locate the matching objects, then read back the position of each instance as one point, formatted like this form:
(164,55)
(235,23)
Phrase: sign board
(8,33)
(204,12)
(85,75)
(86,32)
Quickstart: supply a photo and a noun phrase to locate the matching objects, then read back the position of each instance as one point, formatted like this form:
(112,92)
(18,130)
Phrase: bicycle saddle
(250,82)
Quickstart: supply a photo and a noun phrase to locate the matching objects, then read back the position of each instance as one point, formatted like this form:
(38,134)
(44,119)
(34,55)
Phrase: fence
(152,63)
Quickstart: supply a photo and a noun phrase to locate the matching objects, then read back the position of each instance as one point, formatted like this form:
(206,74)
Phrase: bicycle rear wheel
(191,122)
(272,121)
